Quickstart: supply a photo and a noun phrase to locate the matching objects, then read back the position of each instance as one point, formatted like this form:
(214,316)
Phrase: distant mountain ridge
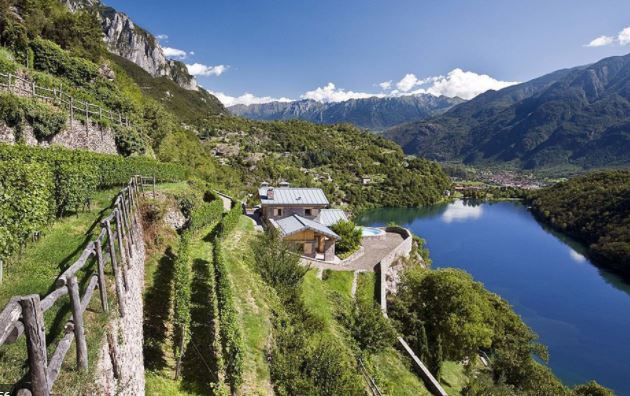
(578,116)
(372,113)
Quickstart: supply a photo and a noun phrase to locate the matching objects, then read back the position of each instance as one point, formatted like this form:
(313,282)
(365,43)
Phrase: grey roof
(294,224)
(293,196)
(330,217)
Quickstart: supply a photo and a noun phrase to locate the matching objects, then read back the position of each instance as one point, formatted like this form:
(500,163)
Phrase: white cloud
(174,53)
(407,83)
(197,69)
(464,84)
(162,37)
(330,93)
(246,99)
(577,257)
(385,85)
(624,36)
(601,41)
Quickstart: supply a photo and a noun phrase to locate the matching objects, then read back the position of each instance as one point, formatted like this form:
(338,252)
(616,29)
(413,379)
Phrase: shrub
(51,58)
(181,314)
(26,197)
(46,120)
(350,236)
(370,329)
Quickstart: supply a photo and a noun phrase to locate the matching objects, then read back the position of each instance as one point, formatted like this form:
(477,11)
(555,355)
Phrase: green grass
(366,286)
(316,297)
(158,385)
(339,281)
(171,188)
(35,271)
(253,300)
(394,375)
(452,377)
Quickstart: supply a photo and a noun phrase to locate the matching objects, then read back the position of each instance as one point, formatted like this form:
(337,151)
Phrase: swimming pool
(367,232)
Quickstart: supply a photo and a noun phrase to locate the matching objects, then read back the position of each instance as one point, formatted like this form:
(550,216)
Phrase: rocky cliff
(128,40)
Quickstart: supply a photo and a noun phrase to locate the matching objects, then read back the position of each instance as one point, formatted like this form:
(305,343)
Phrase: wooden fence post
(117,279)
(122,246)
(102,285)
(126,225)
(77,319)
(33,319)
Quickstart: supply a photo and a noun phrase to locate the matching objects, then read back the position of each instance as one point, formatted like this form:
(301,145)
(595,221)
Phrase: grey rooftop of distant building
(329,217)
(293,196)
(294,224)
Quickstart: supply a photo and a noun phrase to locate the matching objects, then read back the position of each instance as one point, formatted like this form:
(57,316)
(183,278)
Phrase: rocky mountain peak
(128,40)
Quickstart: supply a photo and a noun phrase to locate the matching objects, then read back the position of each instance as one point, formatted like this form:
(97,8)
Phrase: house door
(321,244)
(308,248)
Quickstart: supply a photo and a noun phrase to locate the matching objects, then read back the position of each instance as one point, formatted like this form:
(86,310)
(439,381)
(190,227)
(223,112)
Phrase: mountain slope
(128,40)
(372,113)
(578,116)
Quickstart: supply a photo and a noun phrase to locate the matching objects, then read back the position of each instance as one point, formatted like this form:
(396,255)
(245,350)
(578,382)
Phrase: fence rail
(16,84)
(24,315)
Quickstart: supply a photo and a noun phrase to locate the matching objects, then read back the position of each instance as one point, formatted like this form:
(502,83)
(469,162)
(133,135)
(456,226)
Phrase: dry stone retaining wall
(123,345)
(76,135)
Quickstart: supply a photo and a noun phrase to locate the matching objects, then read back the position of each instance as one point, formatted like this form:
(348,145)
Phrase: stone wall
(402,250)
(76,135)
(123,346)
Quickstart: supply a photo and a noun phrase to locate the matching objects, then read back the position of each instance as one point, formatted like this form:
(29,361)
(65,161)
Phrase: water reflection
(461,211)
(577,257)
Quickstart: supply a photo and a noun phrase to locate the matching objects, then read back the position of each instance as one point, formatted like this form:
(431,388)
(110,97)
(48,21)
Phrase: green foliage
(277,263)
(460,318)
(26,197)
(231,339)
(420,248)
(230,220)
(350,236)
(372,331)
(51,58)
(38,183)
(332,157)
(181,311)
(594,209)
(205,214)
(129,141)
(591,388)
(45,119)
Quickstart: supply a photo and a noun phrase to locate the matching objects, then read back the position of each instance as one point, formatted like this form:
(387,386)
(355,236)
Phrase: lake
(581,312)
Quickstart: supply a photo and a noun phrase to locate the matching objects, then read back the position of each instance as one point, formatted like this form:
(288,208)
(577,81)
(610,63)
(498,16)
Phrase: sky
(254,51)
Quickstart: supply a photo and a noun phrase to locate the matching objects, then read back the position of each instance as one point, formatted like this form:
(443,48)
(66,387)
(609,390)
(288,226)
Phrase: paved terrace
(374,251)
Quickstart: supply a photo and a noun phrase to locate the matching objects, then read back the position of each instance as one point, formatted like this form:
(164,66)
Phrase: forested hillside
(575,117)
(594,209)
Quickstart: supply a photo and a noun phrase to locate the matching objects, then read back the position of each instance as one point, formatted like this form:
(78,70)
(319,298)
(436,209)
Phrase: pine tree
(437,358)
(423,344)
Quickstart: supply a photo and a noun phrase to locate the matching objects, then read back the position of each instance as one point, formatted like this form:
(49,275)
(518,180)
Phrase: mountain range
(373,113)
(578,116)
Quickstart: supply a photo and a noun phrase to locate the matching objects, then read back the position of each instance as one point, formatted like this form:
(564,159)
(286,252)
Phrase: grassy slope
(389,368)
(253,300)
(35,273)
(188,106)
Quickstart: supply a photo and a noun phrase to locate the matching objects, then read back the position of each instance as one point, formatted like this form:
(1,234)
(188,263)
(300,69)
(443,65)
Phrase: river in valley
(581,312)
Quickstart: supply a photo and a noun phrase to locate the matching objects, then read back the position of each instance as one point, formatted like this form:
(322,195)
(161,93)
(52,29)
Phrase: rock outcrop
(128,40)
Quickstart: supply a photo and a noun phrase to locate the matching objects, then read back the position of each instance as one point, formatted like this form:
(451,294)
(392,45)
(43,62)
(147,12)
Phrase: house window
(308,212)
(278,212)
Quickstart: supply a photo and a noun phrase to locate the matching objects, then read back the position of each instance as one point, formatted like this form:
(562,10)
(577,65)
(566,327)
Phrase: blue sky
(289,49)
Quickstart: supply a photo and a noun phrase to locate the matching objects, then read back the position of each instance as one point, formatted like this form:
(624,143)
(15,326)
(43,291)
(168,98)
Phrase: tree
(437,357)
(278,263)
(372,331)
(591,388)
(350,236)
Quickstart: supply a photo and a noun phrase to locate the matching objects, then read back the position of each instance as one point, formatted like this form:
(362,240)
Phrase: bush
(26,202)
(181,314)
(372,331)
(51,58)
(231,339)
(350,237)
(46,120)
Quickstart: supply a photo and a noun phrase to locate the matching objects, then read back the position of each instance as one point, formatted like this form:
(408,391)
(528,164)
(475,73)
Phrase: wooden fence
(24,315)
(58,97)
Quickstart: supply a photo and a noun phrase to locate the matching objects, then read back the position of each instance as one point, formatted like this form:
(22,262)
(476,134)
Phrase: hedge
(230,220)
(231,340)
(38,183)
(26,202)
(182,279)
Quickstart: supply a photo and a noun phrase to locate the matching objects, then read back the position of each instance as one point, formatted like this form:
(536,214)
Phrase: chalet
(301,215)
